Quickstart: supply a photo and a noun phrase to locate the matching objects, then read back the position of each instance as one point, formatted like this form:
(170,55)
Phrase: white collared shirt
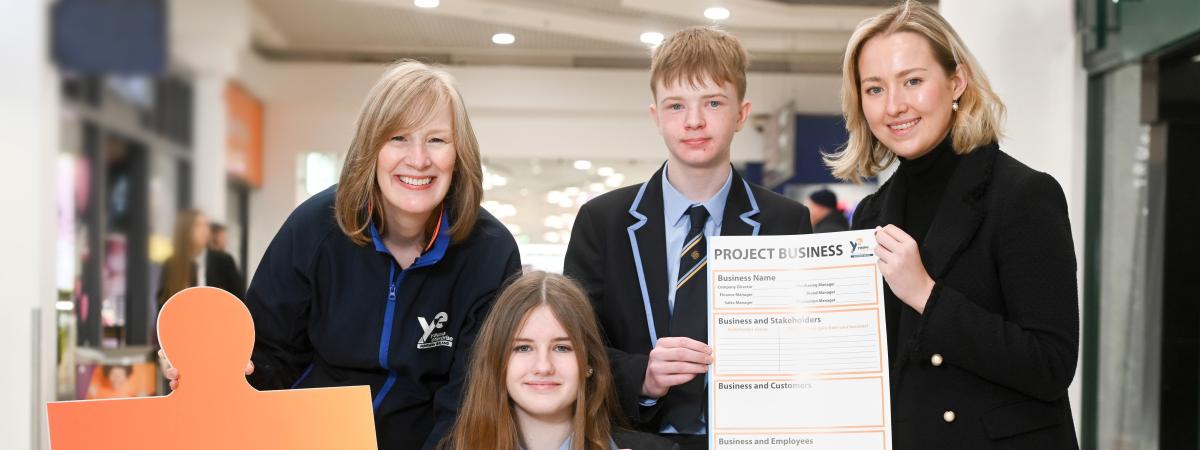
(201,268)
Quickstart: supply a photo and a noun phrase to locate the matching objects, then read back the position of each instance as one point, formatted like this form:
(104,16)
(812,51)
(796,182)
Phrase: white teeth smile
(416,181)
(905,125)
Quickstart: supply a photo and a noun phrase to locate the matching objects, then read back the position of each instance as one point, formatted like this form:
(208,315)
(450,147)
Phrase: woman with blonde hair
(385,278)
(540,377)
(974,246)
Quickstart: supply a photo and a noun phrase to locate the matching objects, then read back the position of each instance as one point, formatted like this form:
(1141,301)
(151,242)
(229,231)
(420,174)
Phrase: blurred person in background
(220,237)
(219,242)
(540,378)
(975,247)
(385,278)
(193,264)
(824,212)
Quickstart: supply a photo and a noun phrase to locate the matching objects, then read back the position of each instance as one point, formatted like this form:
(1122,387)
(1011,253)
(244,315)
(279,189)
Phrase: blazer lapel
(889,209)
(647,238)
(960,212)
(959,216)
(892,201)
(740,209)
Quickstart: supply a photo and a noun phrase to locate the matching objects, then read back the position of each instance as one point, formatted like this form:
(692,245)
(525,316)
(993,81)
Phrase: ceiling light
(426,3)
(604,171)
(615,180)
(716,13)
(503,38)
(583,164)
(651,38)
(493,179)
(500,210)
(551,237)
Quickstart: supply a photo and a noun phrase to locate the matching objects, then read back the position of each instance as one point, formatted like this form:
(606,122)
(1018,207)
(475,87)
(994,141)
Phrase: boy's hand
(674,361)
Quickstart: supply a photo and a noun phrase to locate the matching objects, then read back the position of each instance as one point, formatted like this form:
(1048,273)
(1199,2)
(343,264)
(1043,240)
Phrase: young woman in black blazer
(975,247)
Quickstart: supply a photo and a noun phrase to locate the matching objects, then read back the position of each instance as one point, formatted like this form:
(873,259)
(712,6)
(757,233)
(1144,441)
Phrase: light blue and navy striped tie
(689,319)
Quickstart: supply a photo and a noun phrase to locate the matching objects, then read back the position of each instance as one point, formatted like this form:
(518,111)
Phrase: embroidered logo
(430,339)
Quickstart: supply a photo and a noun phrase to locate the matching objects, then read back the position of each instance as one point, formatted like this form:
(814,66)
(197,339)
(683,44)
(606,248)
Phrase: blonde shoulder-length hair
(405,98)
(980,111)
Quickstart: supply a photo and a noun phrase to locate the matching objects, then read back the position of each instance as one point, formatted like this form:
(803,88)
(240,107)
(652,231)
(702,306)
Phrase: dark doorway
(1179,112)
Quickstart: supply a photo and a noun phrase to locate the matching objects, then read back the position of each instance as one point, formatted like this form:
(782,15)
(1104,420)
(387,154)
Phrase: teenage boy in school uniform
(640,251)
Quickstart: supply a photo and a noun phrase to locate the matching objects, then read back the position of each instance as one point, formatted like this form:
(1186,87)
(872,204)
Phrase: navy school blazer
(618,254)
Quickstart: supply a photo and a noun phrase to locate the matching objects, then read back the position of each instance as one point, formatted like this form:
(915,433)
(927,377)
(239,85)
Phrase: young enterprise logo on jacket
(429,339)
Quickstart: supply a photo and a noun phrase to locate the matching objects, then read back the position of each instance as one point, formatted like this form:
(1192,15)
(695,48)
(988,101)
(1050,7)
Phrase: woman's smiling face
(415,167)
(907,96)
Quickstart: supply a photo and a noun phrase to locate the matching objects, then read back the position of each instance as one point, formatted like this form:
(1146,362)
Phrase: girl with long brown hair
(540,378)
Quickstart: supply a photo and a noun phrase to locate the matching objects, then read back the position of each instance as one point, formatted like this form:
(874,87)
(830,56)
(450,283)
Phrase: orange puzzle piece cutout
(208,334)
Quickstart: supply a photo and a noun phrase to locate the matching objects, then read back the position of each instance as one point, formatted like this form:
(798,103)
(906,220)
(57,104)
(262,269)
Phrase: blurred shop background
(115,115)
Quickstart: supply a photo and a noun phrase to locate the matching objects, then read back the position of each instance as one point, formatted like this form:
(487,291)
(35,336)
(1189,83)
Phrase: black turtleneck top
(926,178)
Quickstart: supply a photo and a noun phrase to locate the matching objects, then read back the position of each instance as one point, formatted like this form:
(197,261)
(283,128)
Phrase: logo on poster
(858,249)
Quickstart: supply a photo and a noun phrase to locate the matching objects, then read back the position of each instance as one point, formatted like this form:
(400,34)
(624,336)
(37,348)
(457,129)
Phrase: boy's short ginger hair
(698,54)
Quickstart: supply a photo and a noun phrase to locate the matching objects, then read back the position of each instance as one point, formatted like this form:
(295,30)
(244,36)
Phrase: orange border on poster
(875,277)
(882,434)
(878,336)
(869,306)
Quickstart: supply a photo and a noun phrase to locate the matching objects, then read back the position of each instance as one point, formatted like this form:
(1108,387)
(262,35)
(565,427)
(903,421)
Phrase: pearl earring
(589,371)
(954,105)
